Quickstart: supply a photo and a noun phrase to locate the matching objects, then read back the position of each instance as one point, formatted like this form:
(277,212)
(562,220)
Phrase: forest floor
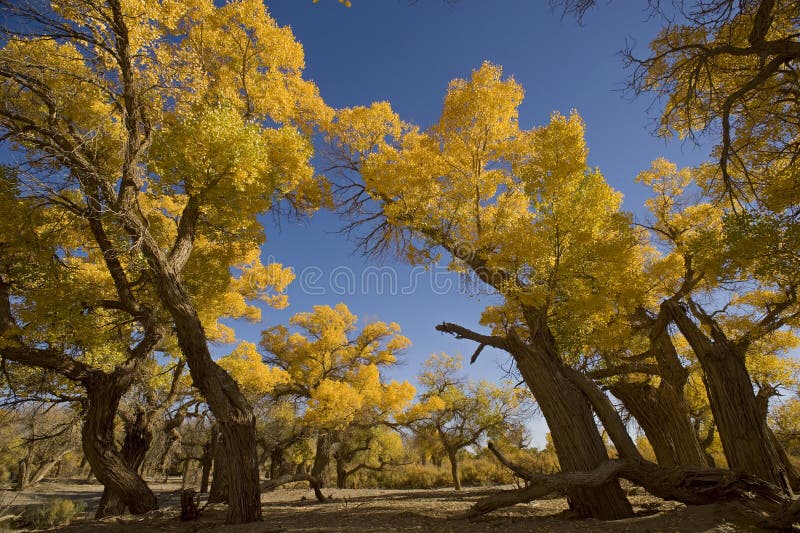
(375,510)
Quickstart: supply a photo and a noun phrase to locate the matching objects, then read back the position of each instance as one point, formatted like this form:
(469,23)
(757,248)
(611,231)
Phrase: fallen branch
(272,484)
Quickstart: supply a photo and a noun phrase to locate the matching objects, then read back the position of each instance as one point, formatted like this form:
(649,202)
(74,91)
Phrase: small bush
(414,476)
(483,471)
(53,513)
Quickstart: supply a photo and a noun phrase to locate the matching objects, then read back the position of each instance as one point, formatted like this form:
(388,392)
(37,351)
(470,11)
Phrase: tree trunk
(575,435)
(341,473)
(138,437)
(452,456)
(220,484)
(22,474)
(745,439)
(663,415)
(322,458)
(231,410)
(206,462)
(276,462)
(108,465)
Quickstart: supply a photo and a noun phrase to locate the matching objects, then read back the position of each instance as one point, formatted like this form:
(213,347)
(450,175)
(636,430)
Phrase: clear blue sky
(407,54)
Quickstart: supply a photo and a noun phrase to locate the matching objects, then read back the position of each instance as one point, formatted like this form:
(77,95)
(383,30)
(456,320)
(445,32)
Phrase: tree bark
(220,485)
(575,435)
(745,439)
(322,458)
(138,437)
(124,485)
(206,462)
(662,411)
(273,484)
(341,473)
(688,484)
(22,475)
(452,456)
(663,415)
(233,413)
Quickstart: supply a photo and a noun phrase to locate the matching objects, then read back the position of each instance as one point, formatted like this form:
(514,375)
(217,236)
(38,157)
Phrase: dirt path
(296,510)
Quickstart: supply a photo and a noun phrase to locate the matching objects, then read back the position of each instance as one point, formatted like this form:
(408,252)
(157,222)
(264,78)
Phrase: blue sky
(407,54)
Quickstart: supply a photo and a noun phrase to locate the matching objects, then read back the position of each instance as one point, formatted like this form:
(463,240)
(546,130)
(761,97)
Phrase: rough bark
(233,413)
(124,485)
(662,411)
(220,485)
(138,437)
(575,435)
(745,439)
(662,414)
(277,462)
(322,458)
(206,461)
(22,475)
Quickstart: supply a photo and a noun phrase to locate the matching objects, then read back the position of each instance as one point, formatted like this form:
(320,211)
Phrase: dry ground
(296,510)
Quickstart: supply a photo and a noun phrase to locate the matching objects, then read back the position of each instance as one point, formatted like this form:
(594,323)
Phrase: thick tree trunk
(575,435)
(233,413)
(322,458)
(126,488)
(745,438)
(220,484)
(662,411)
(452,455)
(138,437)
(663,415)
(567,411)
(341,474)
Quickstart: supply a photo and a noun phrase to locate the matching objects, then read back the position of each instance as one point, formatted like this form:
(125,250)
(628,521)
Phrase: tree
(370,448)
(501,201)
(333,371)
(166,129)
(72,330)
(461,412)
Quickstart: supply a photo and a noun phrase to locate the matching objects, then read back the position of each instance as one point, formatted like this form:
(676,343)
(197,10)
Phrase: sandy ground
(296,510)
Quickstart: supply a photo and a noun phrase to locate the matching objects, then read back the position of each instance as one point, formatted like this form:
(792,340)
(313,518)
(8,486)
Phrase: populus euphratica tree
(167,125)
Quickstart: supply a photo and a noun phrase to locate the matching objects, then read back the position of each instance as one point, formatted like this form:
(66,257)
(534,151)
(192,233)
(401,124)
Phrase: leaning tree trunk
(108,464)
(138,437)
(322,458)
(576,438)
(230,408)
(569,416)
(663,415)
(662,412)
(452,457)
(745,439)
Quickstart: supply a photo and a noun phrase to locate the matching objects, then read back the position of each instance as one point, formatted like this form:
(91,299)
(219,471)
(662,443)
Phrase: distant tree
(460,412)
